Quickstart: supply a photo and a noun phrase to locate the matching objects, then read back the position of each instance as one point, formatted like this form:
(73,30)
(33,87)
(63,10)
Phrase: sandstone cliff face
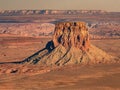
(71,34)
(70,45)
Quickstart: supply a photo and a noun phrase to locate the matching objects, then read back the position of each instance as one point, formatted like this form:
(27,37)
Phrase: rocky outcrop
(70,45)
(71,34)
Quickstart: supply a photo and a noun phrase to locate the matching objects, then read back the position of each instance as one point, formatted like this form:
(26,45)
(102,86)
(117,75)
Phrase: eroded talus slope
(71,45)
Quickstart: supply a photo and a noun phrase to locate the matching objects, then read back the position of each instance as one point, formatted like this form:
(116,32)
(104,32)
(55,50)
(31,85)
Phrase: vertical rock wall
(72,34)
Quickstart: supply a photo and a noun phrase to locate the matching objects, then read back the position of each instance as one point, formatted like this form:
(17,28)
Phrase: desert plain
(15,48)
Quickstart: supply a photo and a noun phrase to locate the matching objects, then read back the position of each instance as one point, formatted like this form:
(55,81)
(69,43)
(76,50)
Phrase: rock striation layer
(71,34)
(70,45)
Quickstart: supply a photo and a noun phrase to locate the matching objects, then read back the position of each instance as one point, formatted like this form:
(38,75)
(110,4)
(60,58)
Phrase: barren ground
(76,77)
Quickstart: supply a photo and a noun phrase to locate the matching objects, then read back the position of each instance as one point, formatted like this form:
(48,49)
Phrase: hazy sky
(109,5)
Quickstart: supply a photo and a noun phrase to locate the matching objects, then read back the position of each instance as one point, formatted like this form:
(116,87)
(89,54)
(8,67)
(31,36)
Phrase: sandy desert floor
(75,77)
(101,77)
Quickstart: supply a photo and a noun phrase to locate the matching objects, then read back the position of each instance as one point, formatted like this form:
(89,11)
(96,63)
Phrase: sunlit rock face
(71,45)
(71,34)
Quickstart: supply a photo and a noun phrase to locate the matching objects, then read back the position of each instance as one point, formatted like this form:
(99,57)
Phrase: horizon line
(60,9)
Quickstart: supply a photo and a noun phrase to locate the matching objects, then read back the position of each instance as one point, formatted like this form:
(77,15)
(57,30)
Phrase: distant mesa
(46,12)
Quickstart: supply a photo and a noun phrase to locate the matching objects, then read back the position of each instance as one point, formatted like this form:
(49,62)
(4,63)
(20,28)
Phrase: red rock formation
(72,46)
(71,34)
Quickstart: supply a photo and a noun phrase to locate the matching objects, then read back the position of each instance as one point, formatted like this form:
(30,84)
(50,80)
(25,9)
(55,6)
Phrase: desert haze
(59,50)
